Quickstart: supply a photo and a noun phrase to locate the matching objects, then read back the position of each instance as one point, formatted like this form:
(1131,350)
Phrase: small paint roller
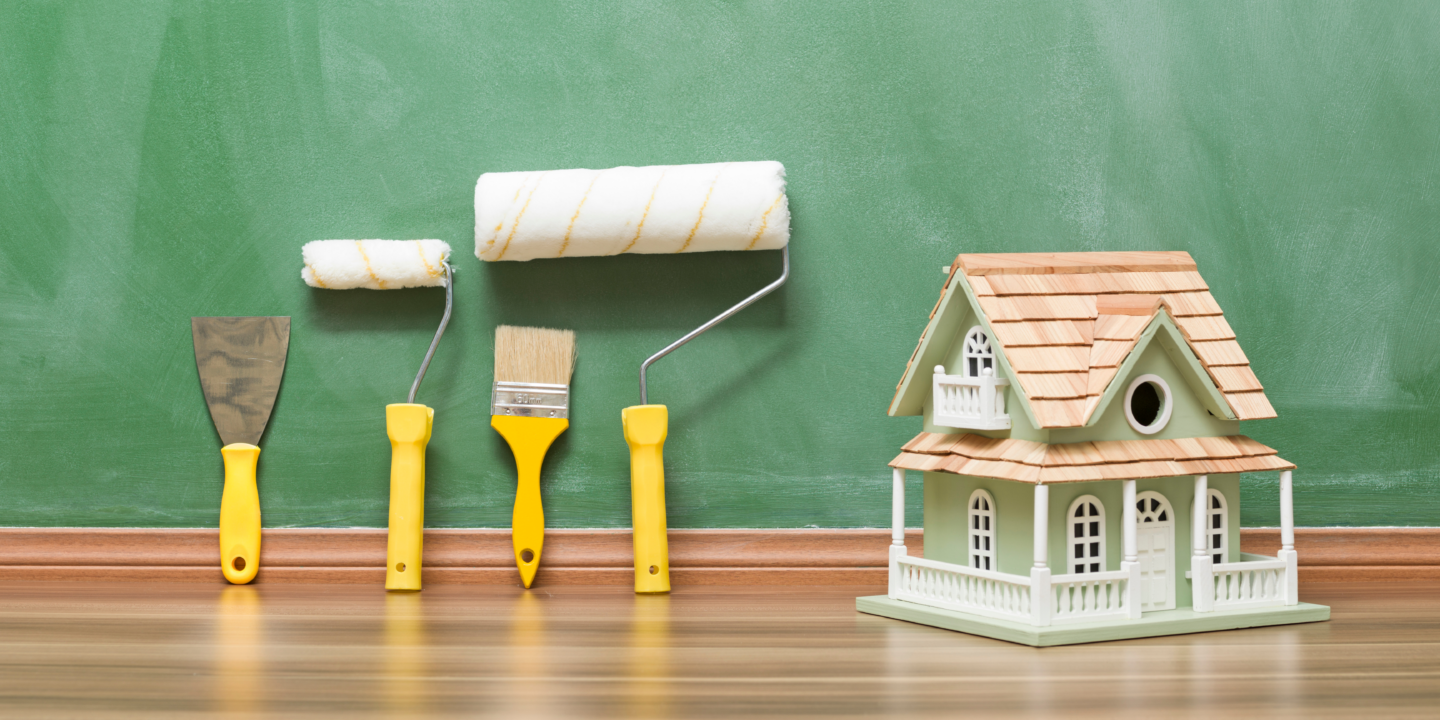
(393,265)
(658,209)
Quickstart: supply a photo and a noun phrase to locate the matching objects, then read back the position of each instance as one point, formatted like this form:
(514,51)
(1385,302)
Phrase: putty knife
(241,361)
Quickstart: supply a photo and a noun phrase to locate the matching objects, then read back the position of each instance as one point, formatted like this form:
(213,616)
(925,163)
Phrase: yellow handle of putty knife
(408,425)
(240,514)
(645,430)
(529,439)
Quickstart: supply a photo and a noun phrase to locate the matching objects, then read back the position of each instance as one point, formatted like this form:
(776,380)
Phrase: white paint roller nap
(657,209)
(374,264)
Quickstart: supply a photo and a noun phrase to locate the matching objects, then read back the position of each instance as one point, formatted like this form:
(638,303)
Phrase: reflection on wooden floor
(138,650)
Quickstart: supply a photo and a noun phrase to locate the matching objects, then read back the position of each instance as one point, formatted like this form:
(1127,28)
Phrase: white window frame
(1217,526)
(980,542)
(1090,545)
(983,353)
(1167,404)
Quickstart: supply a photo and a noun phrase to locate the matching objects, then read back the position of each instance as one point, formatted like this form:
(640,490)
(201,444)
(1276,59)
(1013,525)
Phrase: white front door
(1155,540)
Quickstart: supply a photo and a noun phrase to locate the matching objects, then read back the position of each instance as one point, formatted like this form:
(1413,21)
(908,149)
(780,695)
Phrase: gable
(1163,335)
(953,316)
(939,333)
(1194,400)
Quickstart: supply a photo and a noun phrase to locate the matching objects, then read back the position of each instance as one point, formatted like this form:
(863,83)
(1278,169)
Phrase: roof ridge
(1074,262)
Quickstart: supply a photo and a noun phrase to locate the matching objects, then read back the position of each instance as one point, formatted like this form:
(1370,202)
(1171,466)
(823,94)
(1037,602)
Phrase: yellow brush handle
(529,439)
(645,429)
(240,514)
(408,425)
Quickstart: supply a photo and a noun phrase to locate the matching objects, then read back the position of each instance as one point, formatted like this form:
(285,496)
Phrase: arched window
(978,354)
(982,530)
(1086,519)
(1217,527)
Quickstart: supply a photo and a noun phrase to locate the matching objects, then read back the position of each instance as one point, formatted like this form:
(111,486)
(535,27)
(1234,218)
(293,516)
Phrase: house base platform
(1151,624)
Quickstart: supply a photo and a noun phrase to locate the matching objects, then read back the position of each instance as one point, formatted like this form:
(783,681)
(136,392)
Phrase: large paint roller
(659,209)
(393,265)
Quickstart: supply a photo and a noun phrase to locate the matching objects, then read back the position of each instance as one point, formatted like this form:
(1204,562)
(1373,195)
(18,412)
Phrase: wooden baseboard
(602,557)
(1367,554)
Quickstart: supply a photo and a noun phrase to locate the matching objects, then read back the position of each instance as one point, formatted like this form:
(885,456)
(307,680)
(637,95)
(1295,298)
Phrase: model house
(1082,454)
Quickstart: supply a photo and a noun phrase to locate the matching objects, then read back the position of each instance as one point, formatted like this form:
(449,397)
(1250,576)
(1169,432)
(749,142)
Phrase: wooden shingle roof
(1032,462)
(1067,321)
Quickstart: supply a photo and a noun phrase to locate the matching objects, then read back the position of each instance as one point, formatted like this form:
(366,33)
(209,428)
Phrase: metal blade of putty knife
(241,361)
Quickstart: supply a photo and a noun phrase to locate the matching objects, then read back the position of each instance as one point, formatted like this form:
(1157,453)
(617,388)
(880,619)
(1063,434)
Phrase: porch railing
(1253,583)
(1091,596)
(973,403)
(957,587)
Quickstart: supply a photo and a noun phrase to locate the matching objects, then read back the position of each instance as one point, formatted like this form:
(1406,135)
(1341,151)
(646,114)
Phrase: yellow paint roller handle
(645,430)
(408,425)
(529,439)
(240,514)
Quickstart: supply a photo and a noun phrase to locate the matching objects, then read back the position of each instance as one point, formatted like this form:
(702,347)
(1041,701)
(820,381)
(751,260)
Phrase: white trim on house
(1085,536)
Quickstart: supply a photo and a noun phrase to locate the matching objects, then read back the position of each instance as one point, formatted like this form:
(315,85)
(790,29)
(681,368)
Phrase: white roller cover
(657,209)
(374,264)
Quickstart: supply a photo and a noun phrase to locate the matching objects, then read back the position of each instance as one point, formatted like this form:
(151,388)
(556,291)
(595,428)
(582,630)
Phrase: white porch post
(1040,594)
(1202,586)
(1129,553)
(897,527)
(1287,539)
(1287,512)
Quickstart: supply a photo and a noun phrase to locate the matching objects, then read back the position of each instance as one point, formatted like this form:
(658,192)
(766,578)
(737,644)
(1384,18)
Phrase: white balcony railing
(972,403)
(956,587)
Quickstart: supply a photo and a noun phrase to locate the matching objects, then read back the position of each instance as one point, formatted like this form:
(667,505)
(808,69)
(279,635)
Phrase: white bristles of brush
(534,355)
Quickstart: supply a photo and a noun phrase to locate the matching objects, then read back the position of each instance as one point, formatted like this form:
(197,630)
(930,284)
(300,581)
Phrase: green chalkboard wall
(162,160)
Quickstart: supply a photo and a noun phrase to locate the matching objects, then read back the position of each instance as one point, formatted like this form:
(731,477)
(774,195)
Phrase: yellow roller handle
(408,425)
(529,439)
(240,514)
(645,429)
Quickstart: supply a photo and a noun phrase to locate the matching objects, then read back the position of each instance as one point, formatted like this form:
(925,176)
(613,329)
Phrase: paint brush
(530,407)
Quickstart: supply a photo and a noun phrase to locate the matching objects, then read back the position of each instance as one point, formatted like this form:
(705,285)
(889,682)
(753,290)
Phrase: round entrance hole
(1148,404)
(527,555)
(1145,404)
(238,563)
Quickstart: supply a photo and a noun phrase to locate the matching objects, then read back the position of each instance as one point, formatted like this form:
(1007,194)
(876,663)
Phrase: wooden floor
(146,650)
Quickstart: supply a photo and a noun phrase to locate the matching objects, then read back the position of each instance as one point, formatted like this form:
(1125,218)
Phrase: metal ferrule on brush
(530,400)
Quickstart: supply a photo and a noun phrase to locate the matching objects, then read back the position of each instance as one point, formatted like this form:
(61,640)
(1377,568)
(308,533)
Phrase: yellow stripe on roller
(316,276)
(701,217)
(496,235)
(765,221)
(369,269)
(421,249)
(566,242)
(516,225)
(641,226)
